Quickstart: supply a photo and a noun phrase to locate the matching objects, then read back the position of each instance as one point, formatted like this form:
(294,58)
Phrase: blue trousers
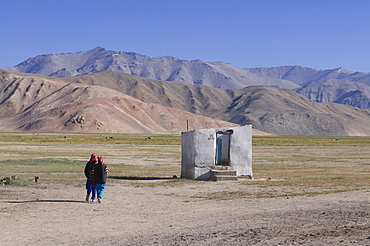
(90,189)
(100,189)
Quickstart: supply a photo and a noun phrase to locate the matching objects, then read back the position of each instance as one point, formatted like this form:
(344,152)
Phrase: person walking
(90,186)
(100,174)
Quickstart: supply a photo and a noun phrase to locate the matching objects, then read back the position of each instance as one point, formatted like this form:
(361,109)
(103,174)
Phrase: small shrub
(16,181)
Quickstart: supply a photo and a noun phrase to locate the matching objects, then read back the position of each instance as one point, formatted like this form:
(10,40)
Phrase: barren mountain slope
(214,74)
(338,91)
(269,109)
(285,112)
(333,85)
(198,99)
(167,68)
(302,75)
(43,104)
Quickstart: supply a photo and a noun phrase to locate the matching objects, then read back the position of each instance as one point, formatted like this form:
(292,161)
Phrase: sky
(320,34)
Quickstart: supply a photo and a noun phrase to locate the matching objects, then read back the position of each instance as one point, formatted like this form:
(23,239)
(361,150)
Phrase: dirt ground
(179,215)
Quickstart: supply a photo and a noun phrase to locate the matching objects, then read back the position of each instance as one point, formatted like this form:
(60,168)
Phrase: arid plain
(306,190)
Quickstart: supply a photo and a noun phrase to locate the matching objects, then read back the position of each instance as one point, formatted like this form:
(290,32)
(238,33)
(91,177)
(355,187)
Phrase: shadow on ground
(68,201)
(141,178)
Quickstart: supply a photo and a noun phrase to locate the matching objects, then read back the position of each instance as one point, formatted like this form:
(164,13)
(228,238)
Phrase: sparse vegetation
(14,180)
(310,141)
(282,165)
(91,138)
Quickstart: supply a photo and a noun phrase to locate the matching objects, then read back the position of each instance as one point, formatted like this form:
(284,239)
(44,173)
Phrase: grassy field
(283,165)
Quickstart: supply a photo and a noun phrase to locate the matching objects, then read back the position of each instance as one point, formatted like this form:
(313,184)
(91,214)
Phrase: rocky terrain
(269,109)
(109,101)
(45,104)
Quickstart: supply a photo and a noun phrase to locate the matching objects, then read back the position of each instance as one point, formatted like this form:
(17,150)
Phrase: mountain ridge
(215,74)
(167,68)
(45,104)
(108,101)
(333,85)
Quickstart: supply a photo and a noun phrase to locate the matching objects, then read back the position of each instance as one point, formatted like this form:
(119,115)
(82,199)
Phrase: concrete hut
(217,154)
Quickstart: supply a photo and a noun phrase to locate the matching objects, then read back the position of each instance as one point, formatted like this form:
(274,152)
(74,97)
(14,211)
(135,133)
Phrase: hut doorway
(223,148)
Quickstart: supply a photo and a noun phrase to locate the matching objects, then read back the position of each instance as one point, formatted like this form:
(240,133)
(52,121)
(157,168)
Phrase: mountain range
(34,103)
(109,91)
(333,85)
(108,101)
(167,68)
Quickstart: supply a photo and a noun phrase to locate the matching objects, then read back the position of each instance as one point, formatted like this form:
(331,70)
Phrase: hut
(217,153)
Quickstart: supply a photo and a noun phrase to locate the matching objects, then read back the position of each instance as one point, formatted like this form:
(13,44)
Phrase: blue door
(218,151)
(223,149)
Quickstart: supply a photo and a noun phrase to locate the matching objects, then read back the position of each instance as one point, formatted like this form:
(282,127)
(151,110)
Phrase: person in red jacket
(90,187)
(100,174)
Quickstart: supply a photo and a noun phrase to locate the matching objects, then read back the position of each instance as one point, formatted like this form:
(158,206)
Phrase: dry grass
(282,166)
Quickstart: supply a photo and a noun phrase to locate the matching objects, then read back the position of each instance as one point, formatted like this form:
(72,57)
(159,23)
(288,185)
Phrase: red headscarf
(93,158)
(100,160)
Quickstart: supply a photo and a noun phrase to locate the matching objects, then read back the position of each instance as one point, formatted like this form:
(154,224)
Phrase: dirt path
(130,215)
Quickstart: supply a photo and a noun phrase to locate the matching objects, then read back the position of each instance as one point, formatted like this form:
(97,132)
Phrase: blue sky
(322,34)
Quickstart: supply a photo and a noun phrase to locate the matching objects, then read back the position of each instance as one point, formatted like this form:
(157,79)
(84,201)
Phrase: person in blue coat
(100,174)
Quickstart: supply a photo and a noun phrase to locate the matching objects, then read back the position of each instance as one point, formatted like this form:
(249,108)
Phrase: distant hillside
(338,91)
(104,102)
(167,68)
(45,104)
(333,85)
(273,110)
(301,75)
